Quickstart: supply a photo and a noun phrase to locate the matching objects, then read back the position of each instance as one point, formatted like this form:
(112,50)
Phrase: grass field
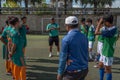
(40,67)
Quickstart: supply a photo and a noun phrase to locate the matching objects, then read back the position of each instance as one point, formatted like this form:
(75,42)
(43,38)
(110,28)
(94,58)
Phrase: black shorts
(54,40)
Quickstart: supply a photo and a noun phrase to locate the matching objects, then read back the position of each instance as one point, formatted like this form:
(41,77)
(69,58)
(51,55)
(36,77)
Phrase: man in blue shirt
(73,63)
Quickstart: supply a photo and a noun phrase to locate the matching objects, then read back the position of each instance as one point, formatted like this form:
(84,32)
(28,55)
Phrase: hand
(52,29)
(101,19)
(69,62)
(10,55)
(59,77)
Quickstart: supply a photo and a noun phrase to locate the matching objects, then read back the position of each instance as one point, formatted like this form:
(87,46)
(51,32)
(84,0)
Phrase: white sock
(90,55)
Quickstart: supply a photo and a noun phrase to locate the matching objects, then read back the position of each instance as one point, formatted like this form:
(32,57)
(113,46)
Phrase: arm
(49,29)
(13,49)
(22,61)
(97,31)
(9,47)
(63,58)
(3,41)
(57,27)
(15,41)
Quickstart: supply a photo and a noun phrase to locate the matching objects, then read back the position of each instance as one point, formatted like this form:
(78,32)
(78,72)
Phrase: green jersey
(100,38)
(23,32)
(109,40)
(91,33)
(5,35)
(19,42)
(83,30)
(54,32)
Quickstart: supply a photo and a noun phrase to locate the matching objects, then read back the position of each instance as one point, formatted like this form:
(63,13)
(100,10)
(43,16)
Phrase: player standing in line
(110,35)
(91,38)
(4,39)
(53,29)
(16,54)
(23,30)
(83,27)
(99,45)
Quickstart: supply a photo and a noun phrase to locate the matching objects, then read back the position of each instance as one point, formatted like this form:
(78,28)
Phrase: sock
(109,76)
(101,72)
(98,57)
(90,55)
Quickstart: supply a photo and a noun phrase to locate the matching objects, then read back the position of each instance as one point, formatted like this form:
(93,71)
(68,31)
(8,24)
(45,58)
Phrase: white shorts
(91,44)
(107,61)
(99,47)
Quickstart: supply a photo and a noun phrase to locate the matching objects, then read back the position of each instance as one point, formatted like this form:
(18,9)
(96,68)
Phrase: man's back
(77,50)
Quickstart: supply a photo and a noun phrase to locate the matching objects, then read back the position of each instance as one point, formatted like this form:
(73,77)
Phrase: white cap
(71,20)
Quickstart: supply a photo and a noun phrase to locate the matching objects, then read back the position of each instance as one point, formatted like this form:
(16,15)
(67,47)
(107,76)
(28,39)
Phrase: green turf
(40,67)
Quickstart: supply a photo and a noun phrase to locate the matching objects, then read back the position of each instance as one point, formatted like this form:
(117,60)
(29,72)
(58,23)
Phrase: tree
(96,3)
(38,1)
(26,6)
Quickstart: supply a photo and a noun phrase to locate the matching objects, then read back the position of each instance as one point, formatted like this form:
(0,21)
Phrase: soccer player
(4,39)
(53,29)
(16,54)
(83,27)
(73,62)
(91,38)
(23,30)
(99,45)
(109,34)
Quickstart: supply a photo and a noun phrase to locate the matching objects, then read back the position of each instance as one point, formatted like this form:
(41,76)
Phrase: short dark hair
(89,20)
(52,18)
(7,22)
(108,18)
(24,17)
(14,20)
(83,20)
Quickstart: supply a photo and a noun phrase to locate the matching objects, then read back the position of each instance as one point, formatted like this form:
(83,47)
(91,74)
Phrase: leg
(90,53)
(67,76)
(23,73)
(90,49)
(50,46)
(101,70)
(12,69)
(50,49)
(108,64)
(24,51)
(8,69)
(108,73)
(83,74)
(17,72)
(57,44)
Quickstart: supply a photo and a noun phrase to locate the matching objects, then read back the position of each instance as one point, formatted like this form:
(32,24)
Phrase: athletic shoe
(9,73)
(95,66)
(58,53)
(91,60)
(50,55)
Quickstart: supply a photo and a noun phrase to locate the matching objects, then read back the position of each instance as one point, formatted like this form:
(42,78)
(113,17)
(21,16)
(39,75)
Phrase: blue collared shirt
(74,47)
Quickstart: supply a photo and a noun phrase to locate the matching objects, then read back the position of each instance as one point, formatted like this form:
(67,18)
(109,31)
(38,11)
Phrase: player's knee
(101,65)
(90,49)
(108,69)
